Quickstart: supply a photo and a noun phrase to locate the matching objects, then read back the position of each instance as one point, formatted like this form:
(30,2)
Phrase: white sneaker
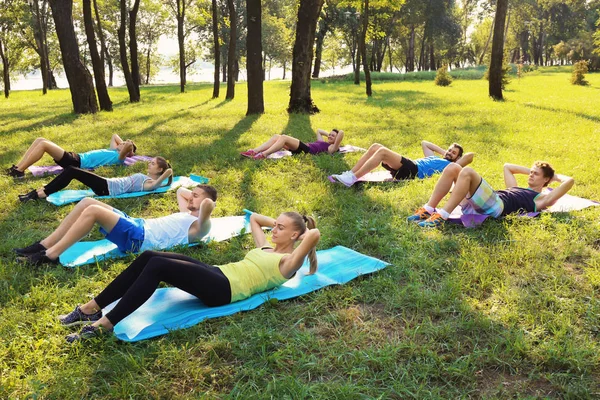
(347,178)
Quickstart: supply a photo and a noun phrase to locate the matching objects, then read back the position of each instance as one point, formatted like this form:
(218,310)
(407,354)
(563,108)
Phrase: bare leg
(37,151)
(444,184)
(467,183)
(372,149)
(70,220)
(284,141)
(82,226)
(383,154)
(92,307)
(266,144)
(104,322)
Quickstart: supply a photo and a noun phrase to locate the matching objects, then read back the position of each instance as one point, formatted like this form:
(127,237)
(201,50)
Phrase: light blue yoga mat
(71,196)
(82,253)
(171,308)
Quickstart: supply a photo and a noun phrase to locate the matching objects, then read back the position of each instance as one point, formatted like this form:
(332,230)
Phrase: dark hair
(134,147)
(164,165)
(210,191)
(335,130)
(460,149)
(547,170)
(303,222)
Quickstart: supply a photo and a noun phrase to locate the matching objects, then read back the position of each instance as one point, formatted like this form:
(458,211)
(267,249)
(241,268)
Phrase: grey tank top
(127,184)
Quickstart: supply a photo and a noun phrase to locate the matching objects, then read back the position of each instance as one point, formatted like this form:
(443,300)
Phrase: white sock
(445,214)
(429,209)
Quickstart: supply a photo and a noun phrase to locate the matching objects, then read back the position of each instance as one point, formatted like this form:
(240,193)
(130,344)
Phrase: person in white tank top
(193,219)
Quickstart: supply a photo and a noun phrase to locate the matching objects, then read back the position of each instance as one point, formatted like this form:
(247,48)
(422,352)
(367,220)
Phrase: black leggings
(136,284)
(95,182)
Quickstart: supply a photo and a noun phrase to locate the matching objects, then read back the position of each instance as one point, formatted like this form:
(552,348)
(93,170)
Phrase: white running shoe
(347,178)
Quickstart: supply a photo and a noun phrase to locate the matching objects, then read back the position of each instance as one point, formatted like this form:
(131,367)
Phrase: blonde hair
(302,223)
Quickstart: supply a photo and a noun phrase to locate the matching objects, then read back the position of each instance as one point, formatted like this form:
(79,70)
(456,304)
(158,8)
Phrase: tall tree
(5,67)
(39,13)
(134,95)
(256,104)
(300,98)
(103,97)
(133,47)
(103,50)
(363,47)
(231,51)
(80,79)
(495,75)
(153,21)
(217,47)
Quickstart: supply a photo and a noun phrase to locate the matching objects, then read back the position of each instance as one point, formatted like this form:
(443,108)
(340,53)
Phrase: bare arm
(183,196)
(291,263)
(115,140)
(429,149)
(152,184)
(257,222)
(125,150)
(206,208)
(320,134)
(336,145)
(466,159)
(566,183)
(509,174)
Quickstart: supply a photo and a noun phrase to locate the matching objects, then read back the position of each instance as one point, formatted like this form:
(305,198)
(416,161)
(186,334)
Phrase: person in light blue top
(158,171)
(403,168)
(118,150)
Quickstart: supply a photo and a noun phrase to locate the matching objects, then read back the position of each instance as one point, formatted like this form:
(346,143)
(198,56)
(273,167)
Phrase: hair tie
(304,218)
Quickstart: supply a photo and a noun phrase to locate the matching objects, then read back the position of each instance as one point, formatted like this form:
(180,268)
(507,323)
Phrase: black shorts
(302,148)
(408,170)
(69,159)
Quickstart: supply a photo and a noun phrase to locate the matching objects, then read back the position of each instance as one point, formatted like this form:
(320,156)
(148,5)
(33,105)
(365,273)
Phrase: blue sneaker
(432,222)
(419,215)
(78,317)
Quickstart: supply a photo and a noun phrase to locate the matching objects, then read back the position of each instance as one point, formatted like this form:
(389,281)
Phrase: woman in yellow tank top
(263,268)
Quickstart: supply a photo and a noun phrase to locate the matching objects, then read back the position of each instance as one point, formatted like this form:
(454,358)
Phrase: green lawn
(511,309)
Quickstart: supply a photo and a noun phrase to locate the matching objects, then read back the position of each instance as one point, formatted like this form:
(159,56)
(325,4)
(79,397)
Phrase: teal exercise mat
(71,196)
(171,308)
(82,253)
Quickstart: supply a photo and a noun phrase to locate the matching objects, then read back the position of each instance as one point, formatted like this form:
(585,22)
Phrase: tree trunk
(323,28)
(231,54)
(432,65)
(224,71)
(103,49)
(215,28)
(410,59)
(506,28)
(39,42)
(284,66)
(181,43)
(524,41)
(300,98)
(133,48)
(495,75)
(363,47)
(80,80)
(133,96)
(389,47)
(103,97)
(5,69)
(256,103)
(487,43)
(422,54)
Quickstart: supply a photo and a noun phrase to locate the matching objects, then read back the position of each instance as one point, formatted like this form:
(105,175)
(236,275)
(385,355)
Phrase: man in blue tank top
(115,154)
(190,224)
(402,167)
(476,196)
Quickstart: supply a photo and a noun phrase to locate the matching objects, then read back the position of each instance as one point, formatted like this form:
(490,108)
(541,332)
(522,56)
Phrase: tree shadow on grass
(61,119)
(593,118)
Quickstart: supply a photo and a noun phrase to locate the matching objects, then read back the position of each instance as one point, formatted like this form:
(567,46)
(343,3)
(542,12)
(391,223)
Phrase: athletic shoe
(432,222)
(33,195)
(87,332)
(249,153)
(32,248)
(347,178)
(419,215)
(259,156)
(15,173)
(39,258)
(78,317)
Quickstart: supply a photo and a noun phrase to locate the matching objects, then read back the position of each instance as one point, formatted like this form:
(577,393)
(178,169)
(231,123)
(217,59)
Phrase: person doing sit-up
(263,268)
(402,167)
(281,142)
(476,196)
(115,154)
(190,224)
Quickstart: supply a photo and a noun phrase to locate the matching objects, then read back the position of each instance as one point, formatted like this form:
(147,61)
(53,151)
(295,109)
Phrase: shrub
(506,70)
(442,77)
(580,68)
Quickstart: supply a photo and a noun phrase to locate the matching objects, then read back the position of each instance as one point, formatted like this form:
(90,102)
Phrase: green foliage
(507,69)
(580,68)
(508,310)
(442,77)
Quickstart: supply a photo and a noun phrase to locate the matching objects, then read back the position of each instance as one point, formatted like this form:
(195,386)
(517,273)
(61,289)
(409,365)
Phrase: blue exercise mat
(171,308)
(71,196)
(82,253)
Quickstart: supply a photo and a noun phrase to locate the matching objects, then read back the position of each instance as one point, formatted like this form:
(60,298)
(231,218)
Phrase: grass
(507,310)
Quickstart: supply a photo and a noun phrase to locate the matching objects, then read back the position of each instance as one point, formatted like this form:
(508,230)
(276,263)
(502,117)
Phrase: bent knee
(376,146)
(453,169)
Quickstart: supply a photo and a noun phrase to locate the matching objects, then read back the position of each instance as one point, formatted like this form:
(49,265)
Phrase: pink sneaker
(249,153)
(259,156)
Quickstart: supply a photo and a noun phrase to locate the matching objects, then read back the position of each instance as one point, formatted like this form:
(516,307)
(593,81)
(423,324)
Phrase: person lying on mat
(158,170)
(475,195)
(190,224)
(263,268)
(285,142)
(402,167)
(115,154)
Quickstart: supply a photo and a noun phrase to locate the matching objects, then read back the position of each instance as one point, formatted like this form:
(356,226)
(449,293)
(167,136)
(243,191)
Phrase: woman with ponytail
(265,267)
(158,170)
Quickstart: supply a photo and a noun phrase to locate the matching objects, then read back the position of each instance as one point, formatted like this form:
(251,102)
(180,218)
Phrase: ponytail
(302,223)
(165,165)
